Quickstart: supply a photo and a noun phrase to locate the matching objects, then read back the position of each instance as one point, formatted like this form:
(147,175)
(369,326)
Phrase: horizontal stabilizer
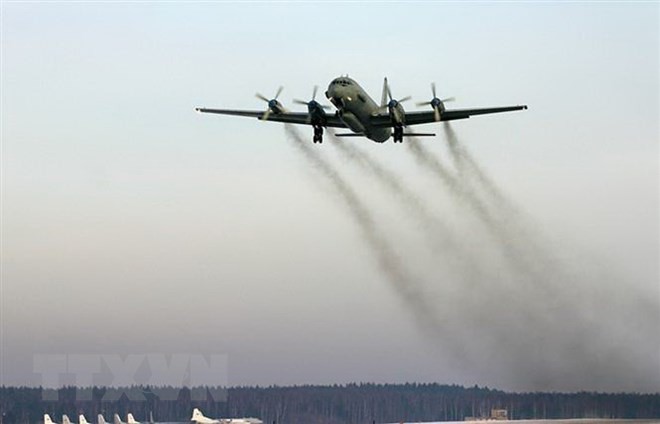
(418,134)
(350,135)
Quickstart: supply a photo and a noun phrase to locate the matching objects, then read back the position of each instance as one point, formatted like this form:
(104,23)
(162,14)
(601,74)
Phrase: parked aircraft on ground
(200,418)
(117,420)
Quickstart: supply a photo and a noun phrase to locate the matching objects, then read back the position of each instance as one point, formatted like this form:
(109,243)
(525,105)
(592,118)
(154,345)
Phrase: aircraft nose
(337,101)
(334,95)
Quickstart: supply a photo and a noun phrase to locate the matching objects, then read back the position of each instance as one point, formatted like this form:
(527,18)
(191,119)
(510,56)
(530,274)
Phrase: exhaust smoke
(510,217)
(405,285)
(544,324)
(442,239)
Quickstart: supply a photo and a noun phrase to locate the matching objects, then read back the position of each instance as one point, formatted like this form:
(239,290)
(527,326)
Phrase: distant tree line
(352,403)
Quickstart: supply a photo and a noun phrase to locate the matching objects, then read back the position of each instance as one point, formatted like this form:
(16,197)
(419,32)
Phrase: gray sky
(132,225)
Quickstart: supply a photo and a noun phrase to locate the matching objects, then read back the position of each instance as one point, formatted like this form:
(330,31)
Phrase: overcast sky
(132,225)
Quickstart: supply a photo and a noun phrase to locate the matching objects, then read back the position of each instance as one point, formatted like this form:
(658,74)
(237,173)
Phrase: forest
(332,404)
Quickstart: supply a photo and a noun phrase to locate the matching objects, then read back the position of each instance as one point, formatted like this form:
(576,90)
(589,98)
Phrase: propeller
(393,104)
(312,105)
(437,104)
(273,104)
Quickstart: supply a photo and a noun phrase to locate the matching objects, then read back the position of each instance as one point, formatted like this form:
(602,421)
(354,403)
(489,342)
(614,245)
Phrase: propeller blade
(433,89)
(266,115)
(423,103)
(316,88)
(436,114)
(300,102)
(279,91)
(448,99)
(389,93)
(405,99)
(262,97)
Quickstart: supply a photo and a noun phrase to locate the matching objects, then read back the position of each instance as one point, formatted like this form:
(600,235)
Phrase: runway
(563,421)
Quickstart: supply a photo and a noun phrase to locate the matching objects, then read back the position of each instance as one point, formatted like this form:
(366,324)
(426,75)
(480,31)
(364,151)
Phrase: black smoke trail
(441,238)
(566,329)
(533,255)
(389,262)
(456,187)
(466,164)
(393,182)
(466,196)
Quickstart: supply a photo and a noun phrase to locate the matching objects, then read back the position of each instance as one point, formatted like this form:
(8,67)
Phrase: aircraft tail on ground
(100,419)
(116,419)
(65,419)
(130,419)
(81,419)
(47,419)
(199,418)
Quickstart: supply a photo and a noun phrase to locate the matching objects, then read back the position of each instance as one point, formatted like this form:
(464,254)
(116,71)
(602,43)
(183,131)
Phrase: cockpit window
(341,82)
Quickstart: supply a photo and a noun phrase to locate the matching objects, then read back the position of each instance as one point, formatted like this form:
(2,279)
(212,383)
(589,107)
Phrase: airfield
(567,421)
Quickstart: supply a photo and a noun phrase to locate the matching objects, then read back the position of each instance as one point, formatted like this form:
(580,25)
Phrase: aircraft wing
(288,117)
(427,117)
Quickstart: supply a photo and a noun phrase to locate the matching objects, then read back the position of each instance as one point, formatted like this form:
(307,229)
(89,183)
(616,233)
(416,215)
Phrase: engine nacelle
(275,106)
(438,104)
(397,113)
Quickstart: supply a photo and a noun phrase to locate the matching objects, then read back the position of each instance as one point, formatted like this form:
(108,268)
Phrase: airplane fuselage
(355,107)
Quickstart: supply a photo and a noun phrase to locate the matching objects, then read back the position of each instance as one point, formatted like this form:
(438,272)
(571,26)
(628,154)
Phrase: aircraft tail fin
(197,415)
(100,419)
(47,419)
(65,419)
(383,97)
(130,419)
(116,419)
(81,419)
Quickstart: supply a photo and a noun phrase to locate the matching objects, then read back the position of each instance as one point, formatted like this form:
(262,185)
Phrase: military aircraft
(117,420)
(199,418)
(130,419)
(360,113)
